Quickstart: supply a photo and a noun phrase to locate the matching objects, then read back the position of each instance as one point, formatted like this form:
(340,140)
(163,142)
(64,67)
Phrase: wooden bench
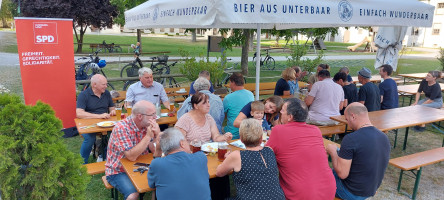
(415,162)
(329,131)
(114,192)
(95,168)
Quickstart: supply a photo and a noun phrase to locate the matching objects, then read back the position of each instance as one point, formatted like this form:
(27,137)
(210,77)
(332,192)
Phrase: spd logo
(45,33)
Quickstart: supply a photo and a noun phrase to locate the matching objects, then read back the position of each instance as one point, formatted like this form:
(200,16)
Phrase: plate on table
(106,124)
(241,145)
(163,114)
(181,92)
(210,147)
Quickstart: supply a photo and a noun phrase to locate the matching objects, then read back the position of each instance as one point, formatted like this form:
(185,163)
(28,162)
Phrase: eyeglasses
(150,115)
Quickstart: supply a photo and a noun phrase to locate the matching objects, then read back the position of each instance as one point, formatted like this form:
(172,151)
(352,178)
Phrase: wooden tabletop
(403,117)
(140,181)
(85,126)
(420,159)
(375,79)
(413,89)
(414,75)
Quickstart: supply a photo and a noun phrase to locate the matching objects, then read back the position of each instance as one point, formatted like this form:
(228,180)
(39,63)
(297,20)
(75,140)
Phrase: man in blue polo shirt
(94,103)
(388,88)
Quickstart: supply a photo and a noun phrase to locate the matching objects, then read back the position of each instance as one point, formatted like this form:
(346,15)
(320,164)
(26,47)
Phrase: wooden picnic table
(403,117)
(140,181)
(411,90)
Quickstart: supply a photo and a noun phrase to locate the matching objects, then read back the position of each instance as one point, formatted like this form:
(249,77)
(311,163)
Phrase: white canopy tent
(282,14)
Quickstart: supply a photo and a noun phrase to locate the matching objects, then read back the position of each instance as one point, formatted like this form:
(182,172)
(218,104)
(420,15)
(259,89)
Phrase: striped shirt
(194,131)
(153,94)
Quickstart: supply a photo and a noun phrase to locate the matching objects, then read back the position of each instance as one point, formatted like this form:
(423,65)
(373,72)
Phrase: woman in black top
(282,88)
(432,91)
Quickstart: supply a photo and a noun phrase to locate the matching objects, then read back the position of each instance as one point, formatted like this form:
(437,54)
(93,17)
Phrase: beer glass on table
(222,150)
(195,145)
(118,111)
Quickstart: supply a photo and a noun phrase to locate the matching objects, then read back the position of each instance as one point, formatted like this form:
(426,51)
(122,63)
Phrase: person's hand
(228,153)
(304,73)
(331,149)
(104,116)
(414,104)
(228,136)
(112,113)
(154,127)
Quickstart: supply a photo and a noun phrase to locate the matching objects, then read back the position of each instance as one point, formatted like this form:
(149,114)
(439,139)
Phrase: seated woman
(272,108)
(197,124)
(282,88)
(432,91)
(294,85)
(255,173)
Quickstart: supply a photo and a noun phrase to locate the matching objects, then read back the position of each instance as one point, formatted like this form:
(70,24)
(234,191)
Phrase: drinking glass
(129,107)
(195,145)
(222,149)
(118,111)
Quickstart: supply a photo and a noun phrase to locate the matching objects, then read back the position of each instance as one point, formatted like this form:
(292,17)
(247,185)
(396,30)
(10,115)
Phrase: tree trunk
(250,44)
(80,40)
(193,35)
(4,22)
(139,39)
(244,58)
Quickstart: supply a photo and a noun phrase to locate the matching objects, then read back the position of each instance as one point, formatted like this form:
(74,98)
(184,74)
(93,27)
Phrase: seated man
(203,74)
(94,102)
(300,154)
(180,174)
(368,93)
(147,89)
(130,138)
(360,164)
(388,88)
(216,106)
(235,101)
(313,78)
(325,99)
(350,89)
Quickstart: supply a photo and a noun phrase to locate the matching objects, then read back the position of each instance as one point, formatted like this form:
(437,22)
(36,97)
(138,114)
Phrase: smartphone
(141,164)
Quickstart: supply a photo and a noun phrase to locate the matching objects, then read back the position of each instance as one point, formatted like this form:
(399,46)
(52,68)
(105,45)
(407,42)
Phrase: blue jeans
(342,192)
(122,183)
(85,149)
(437,103)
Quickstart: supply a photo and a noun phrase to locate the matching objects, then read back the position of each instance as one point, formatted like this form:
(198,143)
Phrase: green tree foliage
(306,64)
(85,13)
(34,161)
(441,58)
(6,12)
(192,66)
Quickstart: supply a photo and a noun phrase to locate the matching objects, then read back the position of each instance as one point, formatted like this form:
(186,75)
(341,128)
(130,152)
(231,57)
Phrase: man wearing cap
(369,92)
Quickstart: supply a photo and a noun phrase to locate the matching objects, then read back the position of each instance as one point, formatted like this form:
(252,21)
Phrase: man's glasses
(150,115)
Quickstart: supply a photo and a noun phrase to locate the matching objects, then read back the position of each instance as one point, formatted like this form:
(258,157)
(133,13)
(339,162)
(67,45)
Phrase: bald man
(131,138)
(359,165)
(94,103)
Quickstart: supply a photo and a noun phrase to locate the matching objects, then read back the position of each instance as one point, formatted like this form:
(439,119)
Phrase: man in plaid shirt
(130,138)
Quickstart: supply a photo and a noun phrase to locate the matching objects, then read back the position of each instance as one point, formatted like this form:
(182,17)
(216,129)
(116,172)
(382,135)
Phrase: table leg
(415,189)
(405,138)
(396,138)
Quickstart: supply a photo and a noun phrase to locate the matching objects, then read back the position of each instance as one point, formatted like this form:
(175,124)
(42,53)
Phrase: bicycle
(228,73)
(112,48)
(132,69)
(268,61)
(88,69)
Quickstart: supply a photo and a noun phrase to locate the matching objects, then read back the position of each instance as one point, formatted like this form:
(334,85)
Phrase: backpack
(81,73)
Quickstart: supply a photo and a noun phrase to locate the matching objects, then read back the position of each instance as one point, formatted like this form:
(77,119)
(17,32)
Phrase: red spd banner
(46,55)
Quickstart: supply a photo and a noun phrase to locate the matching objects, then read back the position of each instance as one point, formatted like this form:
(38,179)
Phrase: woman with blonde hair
(255,171)
(282,87)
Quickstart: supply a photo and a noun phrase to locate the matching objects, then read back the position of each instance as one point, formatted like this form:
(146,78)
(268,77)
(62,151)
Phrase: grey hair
(170,140)
(298,109)
(345,70)
(201,84)
(139,108)
(144,70)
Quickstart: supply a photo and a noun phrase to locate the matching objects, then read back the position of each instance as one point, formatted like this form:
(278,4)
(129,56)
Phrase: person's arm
(112,111)
(345,103)
(216,136)
(361,96)
(382,98)
(166,104)
(418,94)
(82,114)
(340,165)
(135,152)
(309,100)
(286,92)
(232,162)
(341,105)
(239,119)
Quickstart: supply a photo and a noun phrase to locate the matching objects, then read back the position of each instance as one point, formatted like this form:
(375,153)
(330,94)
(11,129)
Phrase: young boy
(257,111)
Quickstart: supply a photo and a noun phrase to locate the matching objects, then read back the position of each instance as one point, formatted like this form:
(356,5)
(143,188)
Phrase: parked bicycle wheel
(270,63)
(158,69)
(129,70)
(127,84)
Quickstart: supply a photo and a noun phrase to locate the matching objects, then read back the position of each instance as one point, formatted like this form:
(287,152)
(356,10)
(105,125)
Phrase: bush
(306,64)
(34,161)
(441,58)
(192,67)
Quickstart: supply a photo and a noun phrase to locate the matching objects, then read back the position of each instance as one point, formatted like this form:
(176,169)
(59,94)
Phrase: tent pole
(258,59)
